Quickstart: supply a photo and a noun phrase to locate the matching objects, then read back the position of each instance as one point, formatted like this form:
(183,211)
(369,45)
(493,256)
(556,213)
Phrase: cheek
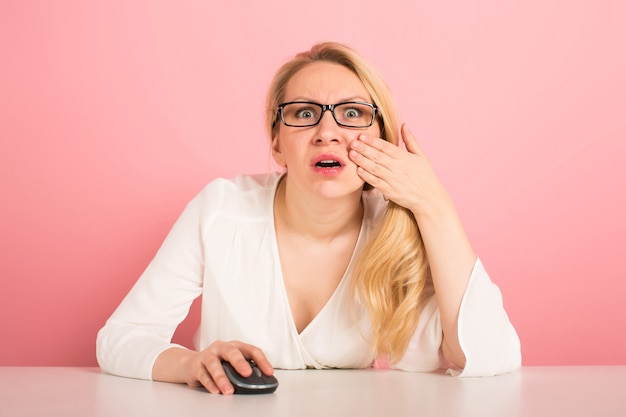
(376,129)
(288,150)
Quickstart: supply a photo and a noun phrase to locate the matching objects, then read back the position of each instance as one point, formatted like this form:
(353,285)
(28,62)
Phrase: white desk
(533,391)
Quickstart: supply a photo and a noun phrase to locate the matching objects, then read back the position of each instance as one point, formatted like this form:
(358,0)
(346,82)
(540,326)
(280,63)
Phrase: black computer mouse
(256,383)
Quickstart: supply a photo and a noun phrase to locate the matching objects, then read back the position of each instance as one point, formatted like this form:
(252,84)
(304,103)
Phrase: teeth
(328,163)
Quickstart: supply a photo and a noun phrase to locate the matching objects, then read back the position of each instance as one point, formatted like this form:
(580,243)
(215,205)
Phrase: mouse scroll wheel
(257,371)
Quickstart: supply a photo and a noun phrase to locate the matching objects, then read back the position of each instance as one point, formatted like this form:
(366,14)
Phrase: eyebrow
(344,100)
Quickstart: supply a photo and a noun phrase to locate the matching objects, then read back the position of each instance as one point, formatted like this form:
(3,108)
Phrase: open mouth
(328,163)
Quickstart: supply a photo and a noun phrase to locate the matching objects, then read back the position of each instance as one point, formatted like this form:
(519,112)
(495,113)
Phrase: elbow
(101,351)
(453,354)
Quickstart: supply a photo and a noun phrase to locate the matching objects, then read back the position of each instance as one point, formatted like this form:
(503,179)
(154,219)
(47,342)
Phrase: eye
(305,114)
(352,113)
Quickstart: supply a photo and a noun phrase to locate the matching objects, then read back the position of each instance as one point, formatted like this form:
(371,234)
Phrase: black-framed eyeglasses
(308,113)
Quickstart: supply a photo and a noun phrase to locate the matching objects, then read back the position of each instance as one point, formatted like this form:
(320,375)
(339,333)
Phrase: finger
(373,180)
(205,380)
(200,376)
(410,141)
(217,374)
(367,168)
(261,360)
(233,352)
(371,158)
(254,353)
(375,144)
(242,366)
(384,156)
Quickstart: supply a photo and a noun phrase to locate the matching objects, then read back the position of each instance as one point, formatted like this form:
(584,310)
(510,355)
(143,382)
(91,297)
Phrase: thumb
(409,140)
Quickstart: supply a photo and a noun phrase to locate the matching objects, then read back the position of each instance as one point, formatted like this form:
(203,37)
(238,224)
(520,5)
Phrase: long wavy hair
(391,276)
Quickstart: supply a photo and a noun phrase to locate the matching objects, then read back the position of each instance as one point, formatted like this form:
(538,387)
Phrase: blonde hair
(391,275)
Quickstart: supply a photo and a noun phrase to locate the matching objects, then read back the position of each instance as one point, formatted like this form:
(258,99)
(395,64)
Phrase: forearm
(451,260)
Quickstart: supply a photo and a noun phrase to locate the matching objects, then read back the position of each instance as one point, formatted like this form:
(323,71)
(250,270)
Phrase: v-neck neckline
(281,278)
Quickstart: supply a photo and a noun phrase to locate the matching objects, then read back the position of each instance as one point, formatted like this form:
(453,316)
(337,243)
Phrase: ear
(276,152)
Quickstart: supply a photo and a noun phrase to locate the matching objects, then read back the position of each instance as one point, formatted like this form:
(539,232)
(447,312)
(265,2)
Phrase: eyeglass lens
(346,114)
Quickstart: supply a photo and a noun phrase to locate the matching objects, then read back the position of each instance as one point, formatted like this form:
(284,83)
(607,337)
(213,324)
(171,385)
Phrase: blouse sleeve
(142,326)
(487,337)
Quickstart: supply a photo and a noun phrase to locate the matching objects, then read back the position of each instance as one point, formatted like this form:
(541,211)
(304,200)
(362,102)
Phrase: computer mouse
(256,383)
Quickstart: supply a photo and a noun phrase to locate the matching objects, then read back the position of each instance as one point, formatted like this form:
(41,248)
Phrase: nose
(328,131)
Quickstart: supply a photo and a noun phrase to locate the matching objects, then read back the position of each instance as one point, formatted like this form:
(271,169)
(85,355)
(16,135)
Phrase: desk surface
(533,391)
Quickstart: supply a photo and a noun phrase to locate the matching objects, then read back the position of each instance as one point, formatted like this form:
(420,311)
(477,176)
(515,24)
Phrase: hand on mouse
(205,368)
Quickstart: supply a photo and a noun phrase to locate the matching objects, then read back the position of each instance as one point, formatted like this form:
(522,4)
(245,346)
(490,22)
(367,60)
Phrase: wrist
(172,364)
(436,210)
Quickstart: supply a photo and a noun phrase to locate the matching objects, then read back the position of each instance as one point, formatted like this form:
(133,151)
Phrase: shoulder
(239,194)
(243,183)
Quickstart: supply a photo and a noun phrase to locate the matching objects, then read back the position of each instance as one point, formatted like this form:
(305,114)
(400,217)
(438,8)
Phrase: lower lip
(328,171)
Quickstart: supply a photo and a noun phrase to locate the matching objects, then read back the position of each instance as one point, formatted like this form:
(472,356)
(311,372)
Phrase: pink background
(114,114)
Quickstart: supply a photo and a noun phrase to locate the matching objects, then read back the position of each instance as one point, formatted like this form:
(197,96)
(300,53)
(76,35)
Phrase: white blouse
(223,248)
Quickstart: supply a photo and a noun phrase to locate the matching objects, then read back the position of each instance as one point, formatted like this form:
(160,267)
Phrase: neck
(314,217)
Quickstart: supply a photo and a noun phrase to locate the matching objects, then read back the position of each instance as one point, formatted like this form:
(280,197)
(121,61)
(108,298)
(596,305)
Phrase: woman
(311,267)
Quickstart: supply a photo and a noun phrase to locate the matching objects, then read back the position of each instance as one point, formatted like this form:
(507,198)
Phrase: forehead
(325,82)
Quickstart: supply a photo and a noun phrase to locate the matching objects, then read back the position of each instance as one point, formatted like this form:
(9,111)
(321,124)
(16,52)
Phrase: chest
(312,271)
